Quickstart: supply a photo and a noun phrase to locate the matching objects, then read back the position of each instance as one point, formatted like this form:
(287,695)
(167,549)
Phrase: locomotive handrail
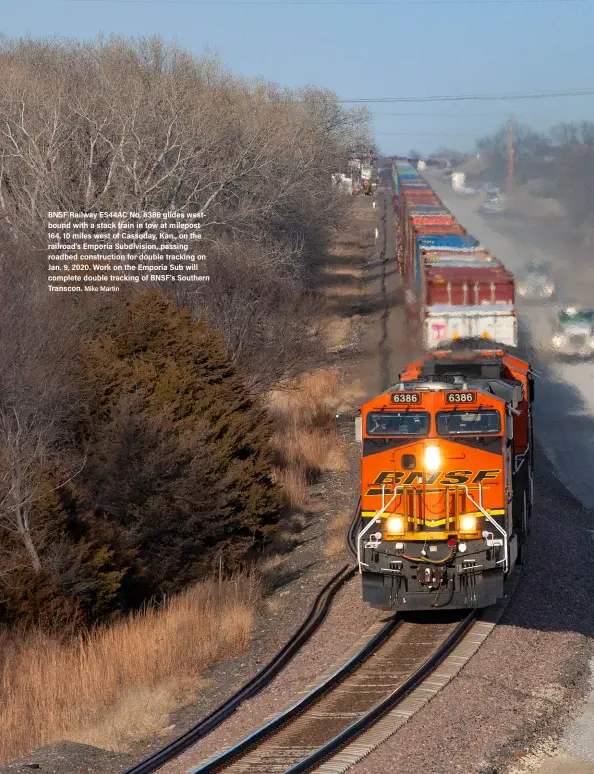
(368,527)
(489,518)
(522,458)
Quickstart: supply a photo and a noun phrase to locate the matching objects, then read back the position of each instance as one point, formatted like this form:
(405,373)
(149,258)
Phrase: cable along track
(264,677)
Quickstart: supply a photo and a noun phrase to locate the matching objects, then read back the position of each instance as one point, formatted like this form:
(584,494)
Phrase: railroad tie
(387,726)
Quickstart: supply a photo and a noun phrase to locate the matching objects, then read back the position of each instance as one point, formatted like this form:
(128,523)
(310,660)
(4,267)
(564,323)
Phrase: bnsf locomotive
(446,475)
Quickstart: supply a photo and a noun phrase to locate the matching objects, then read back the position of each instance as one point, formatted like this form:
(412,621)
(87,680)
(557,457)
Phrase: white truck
(459,184)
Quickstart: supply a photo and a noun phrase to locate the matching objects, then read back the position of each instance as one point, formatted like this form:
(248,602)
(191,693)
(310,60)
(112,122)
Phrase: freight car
(448,297)
(446,481)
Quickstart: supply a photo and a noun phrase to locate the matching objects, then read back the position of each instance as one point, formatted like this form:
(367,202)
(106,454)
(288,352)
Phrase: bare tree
(38,402)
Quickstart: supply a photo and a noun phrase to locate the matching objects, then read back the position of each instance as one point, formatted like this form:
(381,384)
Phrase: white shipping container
(449,323)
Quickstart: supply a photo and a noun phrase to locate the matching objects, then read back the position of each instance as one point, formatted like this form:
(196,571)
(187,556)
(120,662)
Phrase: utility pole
(511,127)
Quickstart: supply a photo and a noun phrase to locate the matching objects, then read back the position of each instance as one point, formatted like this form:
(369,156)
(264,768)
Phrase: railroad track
(399,656)
(398,668)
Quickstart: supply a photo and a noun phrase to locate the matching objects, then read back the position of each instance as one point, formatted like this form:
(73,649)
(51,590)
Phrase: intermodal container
(468,286)
(432,226)
(440,241)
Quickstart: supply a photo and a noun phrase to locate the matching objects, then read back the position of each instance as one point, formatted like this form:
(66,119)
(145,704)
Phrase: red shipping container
(461,286)
(424,200)
(432,220)
(408,248)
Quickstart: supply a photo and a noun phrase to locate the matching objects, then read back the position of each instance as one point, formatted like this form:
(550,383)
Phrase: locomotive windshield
(398,423)
(468,423)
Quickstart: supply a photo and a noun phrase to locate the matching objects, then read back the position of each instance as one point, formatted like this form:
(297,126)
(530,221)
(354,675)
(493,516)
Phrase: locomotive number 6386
(406,397)
(461,397)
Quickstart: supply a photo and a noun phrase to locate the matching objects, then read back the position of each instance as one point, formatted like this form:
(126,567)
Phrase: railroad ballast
(447,453)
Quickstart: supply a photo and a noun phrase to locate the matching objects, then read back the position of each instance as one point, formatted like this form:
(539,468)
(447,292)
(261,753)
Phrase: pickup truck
(573,333)
(535,283)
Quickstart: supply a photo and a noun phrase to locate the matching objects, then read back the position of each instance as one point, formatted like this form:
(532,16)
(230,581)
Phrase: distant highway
(564,406)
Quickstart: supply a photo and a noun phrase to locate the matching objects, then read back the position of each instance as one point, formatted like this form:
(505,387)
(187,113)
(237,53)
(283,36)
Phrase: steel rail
(353,530)
(264,677)
(370,718)
(247,744)
(246,750)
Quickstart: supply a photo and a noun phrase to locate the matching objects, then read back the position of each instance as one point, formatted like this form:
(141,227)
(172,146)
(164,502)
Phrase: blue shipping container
(440,240)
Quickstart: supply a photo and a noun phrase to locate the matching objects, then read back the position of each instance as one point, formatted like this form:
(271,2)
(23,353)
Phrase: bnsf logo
(441,479)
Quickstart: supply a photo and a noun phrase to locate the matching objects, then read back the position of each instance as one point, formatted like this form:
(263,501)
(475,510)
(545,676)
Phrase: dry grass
(337,459)
(119,684)
(299,522)
(307,441)
(341,522)
(353,394)
(270,564)
(293,484)
(338,528)
(335,545)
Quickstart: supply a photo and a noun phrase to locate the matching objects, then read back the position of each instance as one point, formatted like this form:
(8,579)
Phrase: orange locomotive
(446,475)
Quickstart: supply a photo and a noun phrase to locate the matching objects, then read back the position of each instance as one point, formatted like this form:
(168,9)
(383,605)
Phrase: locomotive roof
(508,390)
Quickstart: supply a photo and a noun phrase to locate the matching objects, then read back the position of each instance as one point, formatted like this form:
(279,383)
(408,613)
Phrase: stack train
(447,452)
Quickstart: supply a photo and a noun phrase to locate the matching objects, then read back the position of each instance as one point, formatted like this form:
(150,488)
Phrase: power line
(422,134)
(393,3)
(472,97)
(440,115)
(502,116)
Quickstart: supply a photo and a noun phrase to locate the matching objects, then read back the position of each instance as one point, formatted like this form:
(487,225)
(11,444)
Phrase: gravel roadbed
(531,672)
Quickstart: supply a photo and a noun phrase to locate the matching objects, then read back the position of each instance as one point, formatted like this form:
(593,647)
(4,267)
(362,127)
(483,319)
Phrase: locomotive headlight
(468,524)
(558,341)
(432,458)
(395,525)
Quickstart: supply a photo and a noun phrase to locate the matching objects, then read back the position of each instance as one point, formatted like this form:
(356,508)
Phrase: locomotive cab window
(468,422)
(398,423)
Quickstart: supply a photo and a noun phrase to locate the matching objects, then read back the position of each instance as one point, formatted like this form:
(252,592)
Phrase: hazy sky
(364,50)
